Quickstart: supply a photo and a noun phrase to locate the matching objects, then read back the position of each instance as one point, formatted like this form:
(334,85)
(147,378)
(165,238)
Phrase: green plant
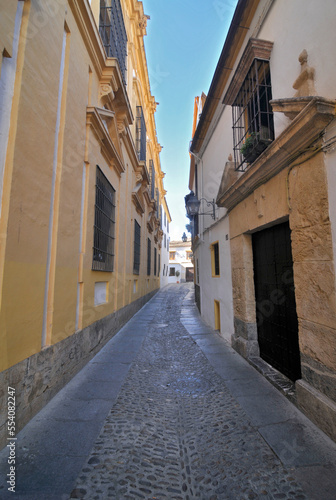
(248,144)
(177,274)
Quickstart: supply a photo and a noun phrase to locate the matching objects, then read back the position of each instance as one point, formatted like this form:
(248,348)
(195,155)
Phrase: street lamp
(192,204)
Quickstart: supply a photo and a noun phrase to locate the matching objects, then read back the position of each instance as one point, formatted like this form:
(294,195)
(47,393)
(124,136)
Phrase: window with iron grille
(140,134)
(172,271)
(151,179)
(155,259)
(215,259)
(253,126)
(149,251)
(104,225)
(113,33)
(137,240)
(159,266)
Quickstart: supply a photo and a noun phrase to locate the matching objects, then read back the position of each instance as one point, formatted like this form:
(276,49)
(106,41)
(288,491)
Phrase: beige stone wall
(299,193)
(242,278)
(314,273)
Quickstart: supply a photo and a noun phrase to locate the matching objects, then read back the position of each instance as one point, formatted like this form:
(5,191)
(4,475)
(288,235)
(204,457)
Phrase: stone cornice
(94,119)
(303,131)
(89,31)
(255,49)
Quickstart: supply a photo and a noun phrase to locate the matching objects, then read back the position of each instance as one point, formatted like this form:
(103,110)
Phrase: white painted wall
(218,288)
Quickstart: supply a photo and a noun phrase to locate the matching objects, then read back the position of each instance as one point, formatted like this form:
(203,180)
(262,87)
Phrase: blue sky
(183,43)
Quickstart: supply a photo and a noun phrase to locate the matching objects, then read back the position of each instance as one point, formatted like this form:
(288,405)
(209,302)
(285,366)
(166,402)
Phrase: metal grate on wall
(149,251)
(140,134)
(113,33)
(137,246)
(252,116)
(104,225)
(155,259)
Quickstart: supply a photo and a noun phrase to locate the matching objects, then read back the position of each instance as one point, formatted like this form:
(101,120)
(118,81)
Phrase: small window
(137,246)
(189,255)
(104,225)
(172,271)
(172,255)
(159,265)
(215,259)
(217,315)
(149,251)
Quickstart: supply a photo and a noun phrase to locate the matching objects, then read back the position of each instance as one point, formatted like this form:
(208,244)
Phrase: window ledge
(305,129)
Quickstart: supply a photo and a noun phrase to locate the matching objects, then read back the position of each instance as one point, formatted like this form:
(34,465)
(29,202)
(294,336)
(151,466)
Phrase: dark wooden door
(189,274)
(275,300)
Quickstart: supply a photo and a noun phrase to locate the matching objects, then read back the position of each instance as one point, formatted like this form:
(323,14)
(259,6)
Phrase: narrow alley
(167,410)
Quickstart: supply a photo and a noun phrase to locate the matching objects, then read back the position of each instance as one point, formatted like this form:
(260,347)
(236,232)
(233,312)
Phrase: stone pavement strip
(167,410)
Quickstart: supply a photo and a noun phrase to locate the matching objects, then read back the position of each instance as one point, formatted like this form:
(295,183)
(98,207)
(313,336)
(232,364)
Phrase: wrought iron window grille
(113,33)
(104,225)
(149,250)
(137,246)
(140,134)
(155,259)
(252,116)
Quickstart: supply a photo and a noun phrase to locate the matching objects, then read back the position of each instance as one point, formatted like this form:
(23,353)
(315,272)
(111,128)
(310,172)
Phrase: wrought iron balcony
(140,134)
(113,33)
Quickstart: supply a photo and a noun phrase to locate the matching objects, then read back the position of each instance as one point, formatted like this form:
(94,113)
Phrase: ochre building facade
(81,188)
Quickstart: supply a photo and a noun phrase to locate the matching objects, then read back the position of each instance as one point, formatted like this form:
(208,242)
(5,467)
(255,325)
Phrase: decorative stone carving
(229,177)
(104,90)
(305,83)
(259,200)
(138,177)
(121,125)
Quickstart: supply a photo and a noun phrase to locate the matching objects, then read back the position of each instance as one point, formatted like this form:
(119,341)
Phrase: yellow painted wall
(29,190)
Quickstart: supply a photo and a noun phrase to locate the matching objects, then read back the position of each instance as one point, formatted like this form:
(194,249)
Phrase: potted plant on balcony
(177,274)
(253,146)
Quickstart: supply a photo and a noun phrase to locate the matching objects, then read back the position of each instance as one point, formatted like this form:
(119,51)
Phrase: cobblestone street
(189,419)
(176,431)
